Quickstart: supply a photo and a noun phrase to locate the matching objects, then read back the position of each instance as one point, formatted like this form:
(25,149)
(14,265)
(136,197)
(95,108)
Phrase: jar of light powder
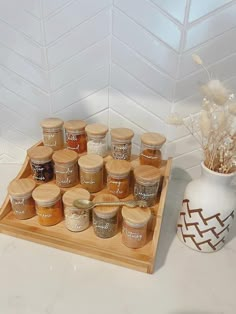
(97,139)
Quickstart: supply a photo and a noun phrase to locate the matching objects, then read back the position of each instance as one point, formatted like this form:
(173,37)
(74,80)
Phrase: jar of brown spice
(118,177)
(48,204)
(41,163)
(150,153)
(66,168)
(121,143)
(91,172)
(105,218)
(75,135)
(134,227)
(53,133)
(22,203)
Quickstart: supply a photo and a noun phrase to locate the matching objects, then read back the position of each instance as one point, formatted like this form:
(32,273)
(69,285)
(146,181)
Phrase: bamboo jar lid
(136,217)
(106,211)
(46,193)
(21,187)
(52,123)
(118,167)
(77,193)
(153,139)
(96,129)
(147,174)
(90,162)
(75,125)
(122,134)
(40,153)
(65,156)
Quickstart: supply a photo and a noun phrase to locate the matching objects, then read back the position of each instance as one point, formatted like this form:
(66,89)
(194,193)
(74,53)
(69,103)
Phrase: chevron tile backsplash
(121,62)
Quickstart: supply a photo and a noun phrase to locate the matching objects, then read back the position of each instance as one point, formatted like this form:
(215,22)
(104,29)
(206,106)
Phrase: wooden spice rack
(86,243)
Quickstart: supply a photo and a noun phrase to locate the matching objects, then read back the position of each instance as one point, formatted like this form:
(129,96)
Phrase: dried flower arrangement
(215,126)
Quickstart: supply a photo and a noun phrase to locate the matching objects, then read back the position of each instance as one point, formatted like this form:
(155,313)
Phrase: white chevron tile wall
(121,62)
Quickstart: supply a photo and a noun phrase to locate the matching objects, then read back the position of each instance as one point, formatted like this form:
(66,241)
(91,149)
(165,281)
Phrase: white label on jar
(97,148)
(117,191)
(84,181)
(101,226)
(71,137)
(121,151)
(68,171)
(19,211)
(47,139)
(132,235)
(44,215)
(18,202)
(77,222)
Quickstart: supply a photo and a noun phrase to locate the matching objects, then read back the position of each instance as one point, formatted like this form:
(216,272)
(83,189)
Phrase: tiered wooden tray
(86,243)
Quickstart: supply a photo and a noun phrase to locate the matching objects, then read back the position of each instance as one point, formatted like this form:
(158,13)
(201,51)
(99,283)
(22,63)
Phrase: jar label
(118,187)
(42,172)
(121,151)
(132,235)
(86,181)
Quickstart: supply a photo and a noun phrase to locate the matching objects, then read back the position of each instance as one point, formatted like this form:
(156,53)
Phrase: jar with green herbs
(105,218)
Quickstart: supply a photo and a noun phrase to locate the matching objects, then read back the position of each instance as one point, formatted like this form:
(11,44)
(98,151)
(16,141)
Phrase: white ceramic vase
(207,211)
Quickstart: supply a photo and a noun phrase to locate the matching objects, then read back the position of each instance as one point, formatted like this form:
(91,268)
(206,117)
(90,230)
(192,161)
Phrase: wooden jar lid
(74,125)
(21,187)
(40,153)
(122,134)
(118,167)
(106,211)
(136,217)
(90,161)
(77,193)
(96,129)
(65,156)
(52,123)
(147,174)
(153,139)
(46,193)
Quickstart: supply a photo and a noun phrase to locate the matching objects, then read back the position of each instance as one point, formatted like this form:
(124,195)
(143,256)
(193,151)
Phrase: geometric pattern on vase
(201,233)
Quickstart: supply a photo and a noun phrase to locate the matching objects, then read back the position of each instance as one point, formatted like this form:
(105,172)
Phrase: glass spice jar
(76,219)
(134,227)
(20,191)
(118,177)
(91,172)
(53,133)
(147,179)
(75,135)
(121,143)
(150,153)
(105,218)
(41,163)
(66,168)
(97,139)
(48,204)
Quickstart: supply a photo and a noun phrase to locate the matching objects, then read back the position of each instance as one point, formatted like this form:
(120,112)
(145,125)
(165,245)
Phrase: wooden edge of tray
(145,265)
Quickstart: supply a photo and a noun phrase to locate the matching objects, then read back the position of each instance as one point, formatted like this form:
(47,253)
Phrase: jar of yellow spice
(48,204)
(91,172)
(150,153)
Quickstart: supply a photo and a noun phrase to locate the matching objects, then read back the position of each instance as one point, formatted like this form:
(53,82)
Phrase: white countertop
(36,279)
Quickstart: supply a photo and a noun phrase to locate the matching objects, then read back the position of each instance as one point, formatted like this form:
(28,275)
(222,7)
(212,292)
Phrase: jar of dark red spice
(151,144)
(41,163)
(75,135)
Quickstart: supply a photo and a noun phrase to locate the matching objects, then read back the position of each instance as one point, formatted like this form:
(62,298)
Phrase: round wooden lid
(136,216)
(21,187)
(106,211)
(77,193)
(46,193)
(122,134)
(73,125)
(90,161)
(40,153)
(52,123)
(65,156)
(96,129)
(118,167)
(147,173)
(153,139)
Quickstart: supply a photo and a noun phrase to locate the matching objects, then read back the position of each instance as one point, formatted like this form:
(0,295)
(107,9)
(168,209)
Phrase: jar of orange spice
(75,135)
(48,204)
(134,227)
(150,153)
(118,177)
